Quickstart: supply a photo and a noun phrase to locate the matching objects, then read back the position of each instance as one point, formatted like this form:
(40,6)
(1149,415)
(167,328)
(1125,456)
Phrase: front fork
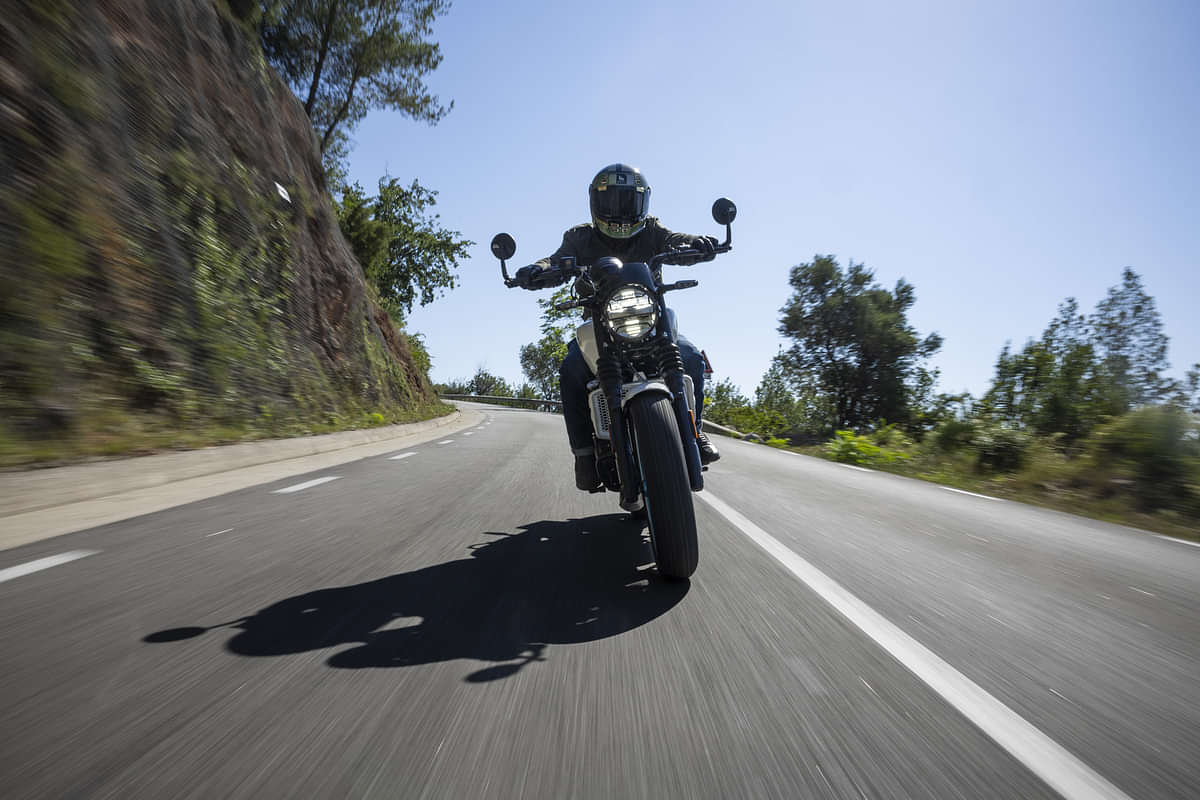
(670,364)
(608,372)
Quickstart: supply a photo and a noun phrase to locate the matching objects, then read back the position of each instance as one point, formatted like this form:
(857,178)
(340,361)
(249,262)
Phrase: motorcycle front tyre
(666,490)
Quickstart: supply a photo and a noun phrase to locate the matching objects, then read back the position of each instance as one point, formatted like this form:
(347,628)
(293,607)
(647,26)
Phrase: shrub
(1000,449)
(953,435)
(848,448)
(1154,447)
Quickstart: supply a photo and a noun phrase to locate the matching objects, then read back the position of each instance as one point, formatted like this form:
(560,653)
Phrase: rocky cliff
(173,273)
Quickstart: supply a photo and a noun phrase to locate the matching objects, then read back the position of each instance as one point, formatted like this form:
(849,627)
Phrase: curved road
(455,620)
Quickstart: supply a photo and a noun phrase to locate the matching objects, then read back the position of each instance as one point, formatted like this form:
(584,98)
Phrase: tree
(540,360)
(1084,370)
(486,383)
(1052,385)
(853,344)
(1131,345)
(404,252)
(346,57)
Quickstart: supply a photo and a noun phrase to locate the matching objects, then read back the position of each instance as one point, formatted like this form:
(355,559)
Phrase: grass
(1045,481)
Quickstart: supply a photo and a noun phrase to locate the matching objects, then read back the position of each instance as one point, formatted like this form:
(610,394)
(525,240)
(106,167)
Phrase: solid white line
(852,466)
(307,484)
(1181,541)
(218,533)
(43,563)
(402,455)
(1049,760)
(972,494)
(446,441)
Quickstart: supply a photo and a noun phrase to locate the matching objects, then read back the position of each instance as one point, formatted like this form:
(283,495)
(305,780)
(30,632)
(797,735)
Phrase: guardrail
(555,406)
(536,403)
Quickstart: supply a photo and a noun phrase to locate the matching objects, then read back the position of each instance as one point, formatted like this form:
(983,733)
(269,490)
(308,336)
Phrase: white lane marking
(446,441)
(1175,539)
(218,533)
(979,538)
(402,455)
(43,563)
(299,487)
(972,494)
(852,466)
(1048,759)
(469,433)
(1143,591)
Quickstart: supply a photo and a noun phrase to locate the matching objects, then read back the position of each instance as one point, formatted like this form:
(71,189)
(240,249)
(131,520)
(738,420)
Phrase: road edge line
(1046,758)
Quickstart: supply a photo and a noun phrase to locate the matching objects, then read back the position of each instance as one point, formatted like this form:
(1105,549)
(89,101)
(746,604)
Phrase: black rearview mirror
(504,246)
(723,211)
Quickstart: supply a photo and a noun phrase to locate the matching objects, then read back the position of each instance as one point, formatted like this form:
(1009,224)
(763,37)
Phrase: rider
(620,227)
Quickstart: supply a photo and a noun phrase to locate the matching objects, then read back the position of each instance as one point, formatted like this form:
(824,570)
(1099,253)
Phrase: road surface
(455,620)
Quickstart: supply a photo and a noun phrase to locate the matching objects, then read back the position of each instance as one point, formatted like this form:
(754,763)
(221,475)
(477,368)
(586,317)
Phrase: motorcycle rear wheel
(666,490)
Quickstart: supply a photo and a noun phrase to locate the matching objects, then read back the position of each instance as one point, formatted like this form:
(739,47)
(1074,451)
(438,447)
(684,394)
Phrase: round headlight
(631,313)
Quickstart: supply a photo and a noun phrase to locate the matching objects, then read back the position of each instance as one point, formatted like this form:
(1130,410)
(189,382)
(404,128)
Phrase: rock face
(170,258)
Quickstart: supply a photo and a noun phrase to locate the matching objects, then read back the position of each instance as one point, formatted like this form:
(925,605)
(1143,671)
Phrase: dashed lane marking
(44,563)
(1049,760)
(402,455)
(218,533)
(299,487)
(446,441)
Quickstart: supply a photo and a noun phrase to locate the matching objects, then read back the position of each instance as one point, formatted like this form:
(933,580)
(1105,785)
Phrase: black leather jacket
(587,245)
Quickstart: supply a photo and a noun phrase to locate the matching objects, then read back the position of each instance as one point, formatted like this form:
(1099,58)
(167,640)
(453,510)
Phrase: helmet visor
(619,204)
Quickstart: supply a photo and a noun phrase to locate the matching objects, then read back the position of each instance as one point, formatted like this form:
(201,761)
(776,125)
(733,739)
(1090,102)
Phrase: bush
(953,435)
(999,449)
(848,448)
(1156,449)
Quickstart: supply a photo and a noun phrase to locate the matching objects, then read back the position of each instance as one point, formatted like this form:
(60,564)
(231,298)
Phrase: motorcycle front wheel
(666,490)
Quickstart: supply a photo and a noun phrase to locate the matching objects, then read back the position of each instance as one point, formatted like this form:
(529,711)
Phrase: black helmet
(620,200)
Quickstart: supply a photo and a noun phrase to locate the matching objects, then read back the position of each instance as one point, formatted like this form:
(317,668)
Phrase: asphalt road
(460,622)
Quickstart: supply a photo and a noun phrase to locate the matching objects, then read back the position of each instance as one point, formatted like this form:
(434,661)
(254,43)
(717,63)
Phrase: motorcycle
(641,400)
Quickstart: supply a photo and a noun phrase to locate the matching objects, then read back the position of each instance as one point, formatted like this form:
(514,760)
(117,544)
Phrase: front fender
(633,389)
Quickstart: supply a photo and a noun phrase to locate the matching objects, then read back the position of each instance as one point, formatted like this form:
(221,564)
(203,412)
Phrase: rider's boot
(586,478)
(708,451)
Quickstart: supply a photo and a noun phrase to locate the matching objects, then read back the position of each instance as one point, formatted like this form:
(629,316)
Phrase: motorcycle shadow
(555,582)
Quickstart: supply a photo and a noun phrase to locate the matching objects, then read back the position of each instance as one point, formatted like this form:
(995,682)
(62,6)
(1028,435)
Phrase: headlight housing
(631,313)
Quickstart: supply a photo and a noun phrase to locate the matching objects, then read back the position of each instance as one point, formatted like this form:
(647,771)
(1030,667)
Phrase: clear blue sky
(999,158)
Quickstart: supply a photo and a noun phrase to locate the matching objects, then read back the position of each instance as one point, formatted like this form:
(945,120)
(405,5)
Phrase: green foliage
(847,447)
(484,382)
(1130,345)
(405,253)
(952,435)
(1000,449)
(420,353)
(1084,370)
(540,360)
(853,344)
(344,58)
(1157,449)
